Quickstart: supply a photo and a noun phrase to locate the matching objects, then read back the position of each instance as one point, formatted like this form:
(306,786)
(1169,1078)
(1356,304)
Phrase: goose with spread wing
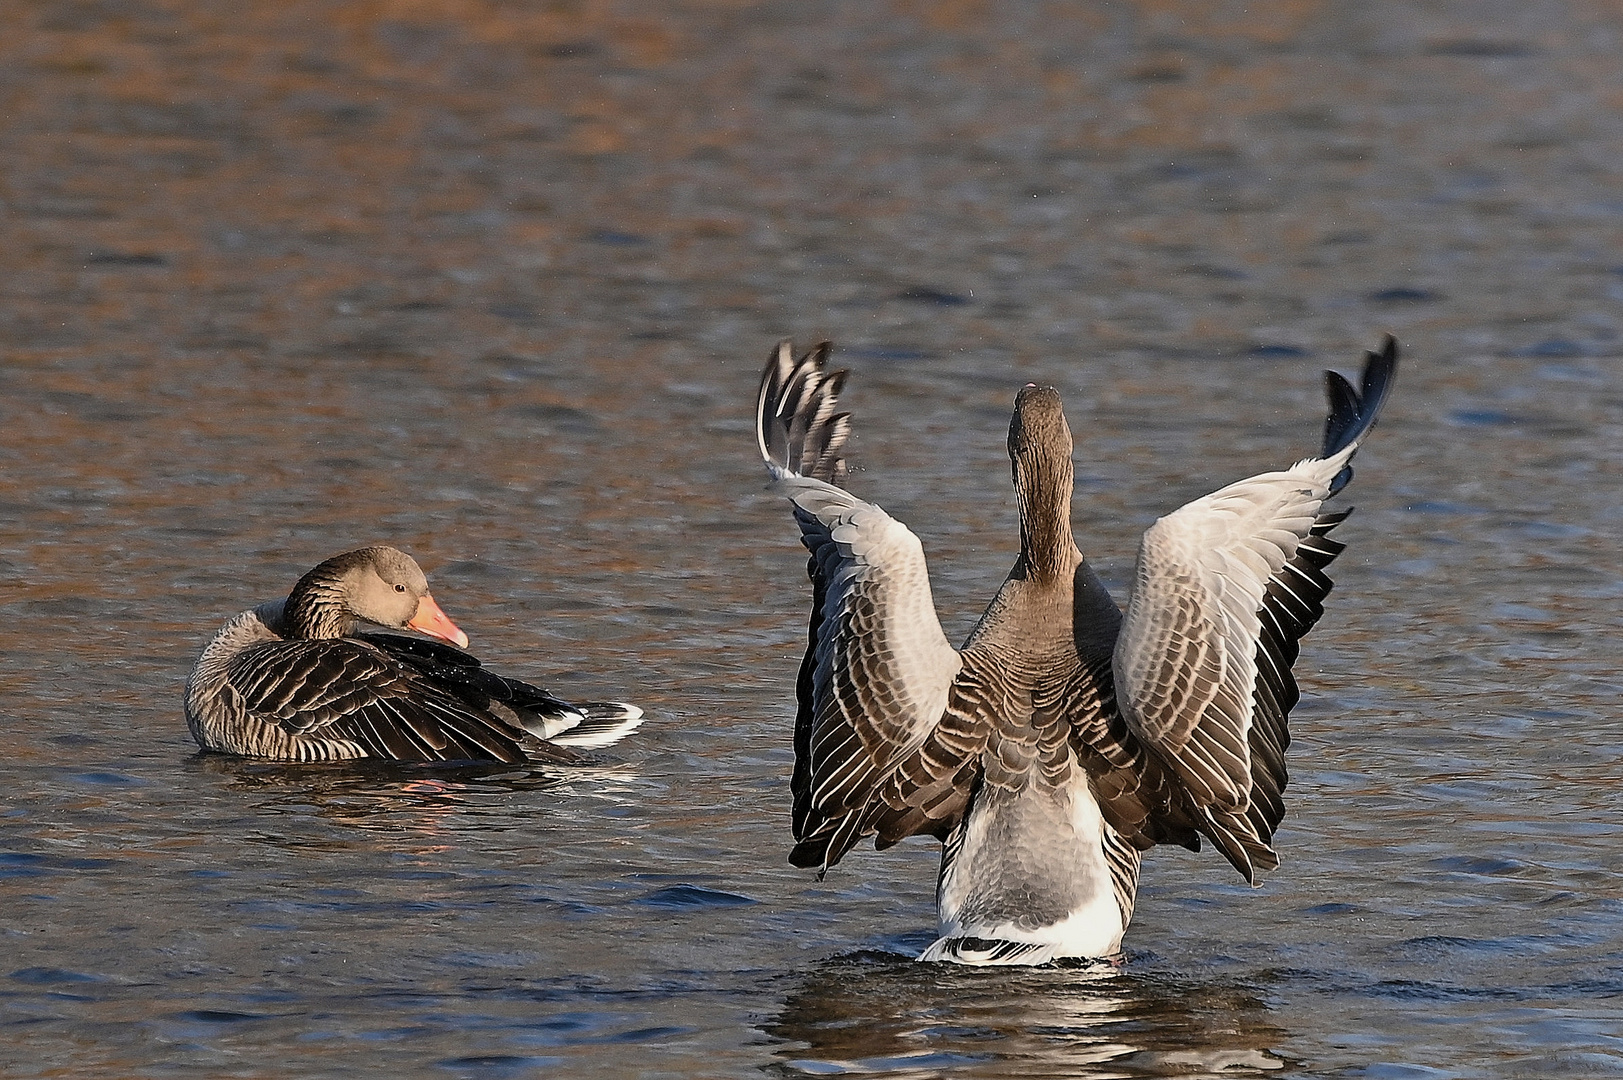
(298,680)
(1066,737)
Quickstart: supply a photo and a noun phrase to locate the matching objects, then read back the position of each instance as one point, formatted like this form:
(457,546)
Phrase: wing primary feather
(797,429)
(1353,412)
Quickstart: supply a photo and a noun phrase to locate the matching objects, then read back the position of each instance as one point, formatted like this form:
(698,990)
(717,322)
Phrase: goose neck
(316,609)
(1043,490)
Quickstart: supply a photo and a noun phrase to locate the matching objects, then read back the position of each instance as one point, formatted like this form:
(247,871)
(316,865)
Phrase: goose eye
(399,588)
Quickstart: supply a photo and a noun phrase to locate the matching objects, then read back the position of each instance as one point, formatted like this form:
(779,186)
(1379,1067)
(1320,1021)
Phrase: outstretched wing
(430,704)
(877,670)
(1225,587)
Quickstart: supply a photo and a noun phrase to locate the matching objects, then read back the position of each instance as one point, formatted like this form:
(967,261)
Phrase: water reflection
(393,798)
(879,1015)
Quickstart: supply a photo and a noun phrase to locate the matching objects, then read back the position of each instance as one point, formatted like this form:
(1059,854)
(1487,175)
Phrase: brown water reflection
(877,1016)
(420,804)
(491,280)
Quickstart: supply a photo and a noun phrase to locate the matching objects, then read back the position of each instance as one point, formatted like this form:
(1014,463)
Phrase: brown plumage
(1065,737)
(297,680)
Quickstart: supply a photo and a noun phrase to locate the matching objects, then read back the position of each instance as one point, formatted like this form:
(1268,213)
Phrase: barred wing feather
(878,669)
(1186,661)
(1224,588)
(353,691)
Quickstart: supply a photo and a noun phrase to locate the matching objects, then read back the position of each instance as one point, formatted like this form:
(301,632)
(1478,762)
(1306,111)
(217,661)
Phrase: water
(492,282)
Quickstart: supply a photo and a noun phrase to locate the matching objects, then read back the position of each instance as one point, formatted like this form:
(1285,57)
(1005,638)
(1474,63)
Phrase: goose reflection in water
(416,801)
(878,1015)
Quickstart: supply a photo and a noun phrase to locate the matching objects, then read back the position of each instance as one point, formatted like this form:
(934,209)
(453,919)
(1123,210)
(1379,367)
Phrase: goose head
(1038,431)
(378,585)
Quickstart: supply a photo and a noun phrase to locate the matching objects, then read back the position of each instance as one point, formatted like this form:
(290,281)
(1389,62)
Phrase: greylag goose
(297,680)
(1066,737)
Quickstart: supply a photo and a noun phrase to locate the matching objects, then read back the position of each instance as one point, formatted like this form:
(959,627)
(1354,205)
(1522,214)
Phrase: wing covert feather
(1224,588)
(351,689)
(877,672)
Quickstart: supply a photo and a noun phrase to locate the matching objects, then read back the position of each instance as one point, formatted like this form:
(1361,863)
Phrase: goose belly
(1026,879)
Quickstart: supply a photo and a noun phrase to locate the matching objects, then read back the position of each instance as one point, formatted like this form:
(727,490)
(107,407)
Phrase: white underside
(1073,848)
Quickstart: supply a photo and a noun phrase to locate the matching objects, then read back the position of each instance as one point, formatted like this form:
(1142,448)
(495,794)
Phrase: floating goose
(295,680)
(1066,738)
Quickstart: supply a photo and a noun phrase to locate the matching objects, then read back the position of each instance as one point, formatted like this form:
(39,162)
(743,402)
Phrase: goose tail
(986,952)
(603,723)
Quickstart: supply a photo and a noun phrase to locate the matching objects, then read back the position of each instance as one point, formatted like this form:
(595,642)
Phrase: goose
(1067,736)
(297,680)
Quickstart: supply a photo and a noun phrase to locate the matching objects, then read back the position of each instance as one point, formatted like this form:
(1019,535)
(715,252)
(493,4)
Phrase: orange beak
(432,621)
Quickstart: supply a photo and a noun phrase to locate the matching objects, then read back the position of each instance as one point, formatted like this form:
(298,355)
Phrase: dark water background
(492,281)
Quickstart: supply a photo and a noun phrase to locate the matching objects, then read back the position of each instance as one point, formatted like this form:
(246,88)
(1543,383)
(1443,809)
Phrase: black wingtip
(1353,412)
(811,853)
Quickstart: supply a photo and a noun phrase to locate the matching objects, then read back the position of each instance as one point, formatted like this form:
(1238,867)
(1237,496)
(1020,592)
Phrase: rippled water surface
(492,281)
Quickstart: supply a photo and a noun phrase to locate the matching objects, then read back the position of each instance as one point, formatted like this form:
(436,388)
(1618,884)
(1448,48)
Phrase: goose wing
(877,670)
(1225,587)
(448,668)
(353,689)
(585,725)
